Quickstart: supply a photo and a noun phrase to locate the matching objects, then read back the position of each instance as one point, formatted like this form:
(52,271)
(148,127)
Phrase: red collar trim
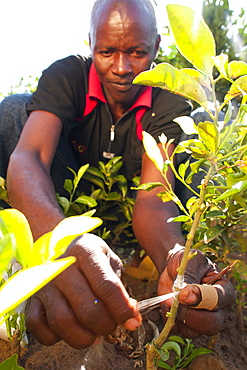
(95,93)
(94,85)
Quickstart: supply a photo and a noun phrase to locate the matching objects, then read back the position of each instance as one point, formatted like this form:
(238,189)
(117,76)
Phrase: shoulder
(70,66)
(164,100)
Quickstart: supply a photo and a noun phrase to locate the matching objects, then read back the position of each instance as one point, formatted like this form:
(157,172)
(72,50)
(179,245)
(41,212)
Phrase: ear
(157,45)
(89,39)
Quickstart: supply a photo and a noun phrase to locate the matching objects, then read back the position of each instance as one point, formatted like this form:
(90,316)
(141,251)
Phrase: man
(100,113)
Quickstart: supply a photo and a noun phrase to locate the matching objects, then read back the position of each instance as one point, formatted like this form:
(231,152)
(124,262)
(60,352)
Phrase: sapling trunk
(152,354)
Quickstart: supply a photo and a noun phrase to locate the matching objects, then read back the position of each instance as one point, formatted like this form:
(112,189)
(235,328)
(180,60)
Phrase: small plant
(216,212)
(108,200)
(184,351)
(38,261)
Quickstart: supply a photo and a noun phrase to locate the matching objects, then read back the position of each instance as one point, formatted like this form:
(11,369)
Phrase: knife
(146,303)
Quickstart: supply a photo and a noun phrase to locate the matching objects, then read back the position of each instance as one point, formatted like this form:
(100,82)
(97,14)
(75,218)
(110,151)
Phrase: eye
(138,53)
(106,53)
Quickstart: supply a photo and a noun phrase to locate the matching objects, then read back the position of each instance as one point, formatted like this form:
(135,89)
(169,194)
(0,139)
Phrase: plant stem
(151,351)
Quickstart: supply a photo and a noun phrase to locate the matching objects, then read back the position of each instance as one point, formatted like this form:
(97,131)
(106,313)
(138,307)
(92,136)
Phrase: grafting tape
(209,297)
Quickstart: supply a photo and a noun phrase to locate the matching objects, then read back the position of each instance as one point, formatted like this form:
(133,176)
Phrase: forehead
(122,22)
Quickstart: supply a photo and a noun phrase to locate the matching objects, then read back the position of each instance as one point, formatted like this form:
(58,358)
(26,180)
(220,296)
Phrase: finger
(191,323)
(89,310)
(201,321)
(105,284)
(115,263)
(61,319)
(36,323)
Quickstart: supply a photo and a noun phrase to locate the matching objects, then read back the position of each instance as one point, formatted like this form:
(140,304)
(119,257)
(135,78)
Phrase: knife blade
(146,303)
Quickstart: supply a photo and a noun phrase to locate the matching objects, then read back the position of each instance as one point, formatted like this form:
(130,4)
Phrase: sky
(36,33)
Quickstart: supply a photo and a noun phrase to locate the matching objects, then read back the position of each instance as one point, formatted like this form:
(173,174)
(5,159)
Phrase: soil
(126,351)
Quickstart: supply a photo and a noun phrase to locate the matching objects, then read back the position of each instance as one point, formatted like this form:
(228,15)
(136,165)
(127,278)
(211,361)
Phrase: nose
(122,64)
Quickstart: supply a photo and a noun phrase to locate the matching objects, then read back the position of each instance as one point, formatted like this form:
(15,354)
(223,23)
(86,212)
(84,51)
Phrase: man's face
(122,46)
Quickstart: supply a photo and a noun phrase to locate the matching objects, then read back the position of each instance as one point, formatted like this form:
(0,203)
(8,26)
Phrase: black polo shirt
(71,89)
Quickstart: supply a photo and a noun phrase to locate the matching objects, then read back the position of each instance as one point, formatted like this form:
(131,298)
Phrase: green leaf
(182,218)
(172,345)
(212,233)
(122,184)
(7,251)
(178,339)
(198,76)
(152,150)
(68,185)
(148,186)
(241,268)
(237,88)
(64,203)
(209,135)
(228,114)
(196,148)
(215,214)
(241,241)
(221,63)
(172,79)
(95,179)
(81,172)
(234,178)
(28,281)
(187,124)
(237,68)
(95,172)
(235,189)
(182,168)
(67,230)
(163,365)
(11,364)
(14,222)
(113,196)
(85,199)
(192,37)
(195,166)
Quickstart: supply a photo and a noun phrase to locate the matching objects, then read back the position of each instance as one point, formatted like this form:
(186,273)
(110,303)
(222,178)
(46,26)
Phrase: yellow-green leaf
(187,124)
(41,251)
(239,87)
(192,37)
(172,79)
(198,76)
(14,222)
(209,135)
(221,63)
(11,364)
(28,281)
(67,230)
(152,150)
(237,68)
(7,251)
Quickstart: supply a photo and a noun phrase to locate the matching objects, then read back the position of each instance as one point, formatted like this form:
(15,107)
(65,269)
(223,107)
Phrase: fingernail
(97,340)
(132,324)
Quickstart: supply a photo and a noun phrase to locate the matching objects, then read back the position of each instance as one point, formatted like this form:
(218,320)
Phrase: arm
(29,184)
(164,243)
(88,299)
(155,235)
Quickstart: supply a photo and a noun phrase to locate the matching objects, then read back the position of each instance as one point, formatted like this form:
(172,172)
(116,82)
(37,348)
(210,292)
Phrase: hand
(85,301)
(191,322)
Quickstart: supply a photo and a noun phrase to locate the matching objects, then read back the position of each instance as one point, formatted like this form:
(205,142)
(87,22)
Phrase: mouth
(121,86)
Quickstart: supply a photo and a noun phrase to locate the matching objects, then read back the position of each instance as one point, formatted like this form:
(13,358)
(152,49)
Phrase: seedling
(217,207)
(38,261)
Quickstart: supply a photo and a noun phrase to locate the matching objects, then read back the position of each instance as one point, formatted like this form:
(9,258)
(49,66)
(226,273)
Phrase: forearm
(155,235)
(31,191)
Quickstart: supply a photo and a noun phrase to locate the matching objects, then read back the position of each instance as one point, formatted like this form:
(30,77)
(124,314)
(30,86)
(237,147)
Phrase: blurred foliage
(25,85)
(230,34)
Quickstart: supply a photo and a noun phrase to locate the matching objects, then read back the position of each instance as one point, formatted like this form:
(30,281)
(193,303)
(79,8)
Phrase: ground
(125,351)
